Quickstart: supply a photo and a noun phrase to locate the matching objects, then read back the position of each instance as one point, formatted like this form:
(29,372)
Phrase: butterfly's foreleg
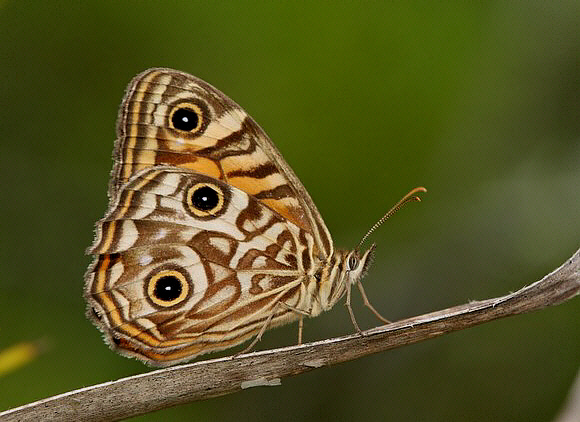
(350,312)
(368,304)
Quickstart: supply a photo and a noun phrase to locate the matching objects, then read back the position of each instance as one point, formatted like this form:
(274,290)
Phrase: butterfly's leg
(260,333)
(300,321)
(265,326)
(368,304)
(350,312)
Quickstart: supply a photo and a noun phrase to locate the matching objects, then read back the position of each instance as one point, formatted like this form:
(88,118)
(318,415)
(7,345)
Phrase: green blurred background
(477,101)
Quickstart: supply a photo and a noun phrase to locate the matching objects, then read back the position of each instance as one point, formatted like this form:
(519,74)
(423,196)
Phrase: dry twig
(167,387)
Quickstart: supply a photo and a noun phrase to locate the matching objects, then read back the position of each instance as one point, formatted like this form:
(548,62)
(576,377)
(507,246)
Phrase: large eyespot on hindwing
(167,287)
(206,200)
(189,118)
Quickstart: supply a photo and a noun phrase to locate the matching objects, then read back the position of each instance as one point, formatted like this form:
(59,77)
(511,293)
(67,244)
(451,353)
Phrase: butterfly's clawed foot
(353,320)
(249,347)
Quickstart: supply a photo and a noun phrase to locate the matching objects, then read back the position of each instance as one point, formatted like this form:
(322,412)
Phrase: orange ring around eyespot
(167,273)
(201,213)
(193,107)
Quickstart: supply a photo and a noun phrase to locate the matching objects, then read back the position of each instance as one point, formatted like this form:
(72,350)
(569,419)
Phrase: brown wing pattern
(174,278)
(225,144)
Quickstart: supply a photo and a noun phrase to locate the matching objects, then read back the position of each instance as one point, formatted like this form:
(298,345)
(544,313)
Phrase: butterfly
(210,238)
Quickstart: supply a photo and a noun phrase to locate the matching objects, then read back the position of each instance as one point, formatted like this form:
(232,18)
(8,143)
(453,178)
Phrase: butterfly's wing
(187,264)
(220,140)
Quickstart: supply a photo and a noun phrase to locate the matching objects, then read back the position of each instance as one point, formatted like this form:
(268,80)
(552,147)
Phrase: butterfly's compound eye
(188,117)
(167,288)
(352,262)
(205,199)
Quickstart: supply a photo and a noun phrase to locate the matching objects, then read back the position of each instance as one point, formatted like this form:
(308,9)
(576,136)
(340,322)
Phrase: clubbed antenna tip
(410,197)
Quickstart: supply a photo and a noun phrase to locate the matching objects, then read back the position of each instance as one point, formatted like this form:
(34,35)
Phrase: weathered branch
(167,387)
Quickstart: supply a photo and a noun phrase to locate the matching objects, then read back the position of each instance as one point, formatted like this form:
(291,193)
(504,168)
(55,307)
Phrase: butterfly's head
(345,268)
(356,264)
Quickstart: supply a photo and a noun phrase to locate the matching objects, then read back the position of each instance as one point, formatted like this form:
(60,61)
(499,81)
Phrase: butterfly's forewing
(172,281)
(226,144)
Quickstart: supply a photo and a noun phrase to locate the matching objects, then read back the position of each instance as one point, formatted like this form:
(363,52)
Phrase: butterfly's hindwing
(230,266)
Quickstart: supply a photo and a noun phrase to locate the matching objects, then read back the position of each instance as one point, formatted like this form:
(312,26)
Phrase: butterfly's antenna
(410,197)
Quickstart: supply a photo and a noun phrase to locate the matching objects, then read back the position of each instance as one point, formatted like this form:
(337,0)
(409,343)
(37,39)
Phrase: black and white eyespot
(189,118)
(168,287)
(206,200)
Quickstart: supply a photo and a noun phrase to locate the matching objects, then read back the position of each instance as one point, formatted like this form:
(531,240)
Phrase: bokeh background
(477,101)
